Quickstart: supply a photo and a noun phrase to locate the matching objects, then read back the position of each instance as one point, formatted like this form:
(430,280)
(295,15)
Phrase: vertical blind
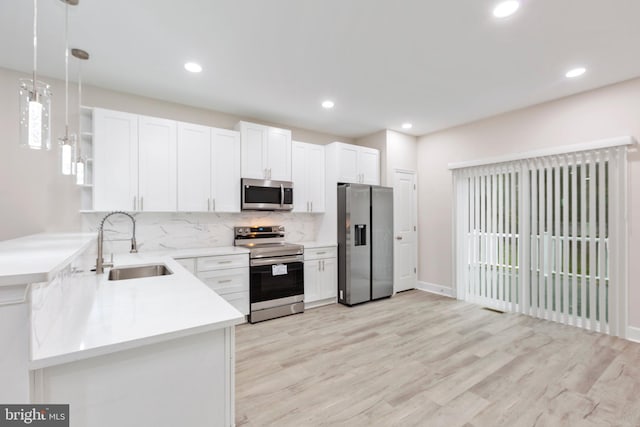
(546,237)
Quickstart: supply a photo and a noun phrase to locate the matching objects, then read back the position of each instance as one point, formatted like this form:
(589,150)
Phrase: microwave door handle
(281,195)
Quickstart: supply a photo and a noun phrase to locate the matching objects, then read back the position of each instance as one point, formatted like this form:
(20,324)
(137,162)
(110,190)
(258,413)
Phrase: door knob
(398,237)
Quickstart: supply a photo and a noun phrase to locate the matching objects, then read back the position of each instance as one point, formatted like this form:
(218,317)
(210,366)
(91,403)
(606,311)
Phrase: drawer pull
(321,253)
(224,281)
(224,262)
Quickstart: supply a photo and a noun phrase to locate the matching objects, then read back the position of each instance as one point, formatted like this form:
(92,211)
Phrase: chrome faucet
(100,264)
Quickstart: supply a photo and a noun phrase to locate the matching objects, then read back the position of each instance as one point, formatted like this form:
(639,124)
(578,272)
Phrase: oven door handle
(272,261)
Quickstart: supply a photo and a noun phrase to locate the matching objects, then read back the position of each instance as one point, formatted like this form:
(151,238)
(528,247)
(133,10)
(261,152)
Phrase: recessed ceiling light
(407,126)
(576,72)
(193,67)
(328,104)
(506,8)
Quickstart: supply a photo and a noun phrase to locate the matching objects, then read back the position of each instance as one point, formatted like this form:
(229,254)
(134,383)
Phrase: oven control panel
(259,232)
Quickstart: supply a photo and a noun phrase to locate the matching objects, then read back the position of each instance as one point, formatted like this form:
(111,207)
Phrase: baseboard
(633,334)
(320,303)
(436,289)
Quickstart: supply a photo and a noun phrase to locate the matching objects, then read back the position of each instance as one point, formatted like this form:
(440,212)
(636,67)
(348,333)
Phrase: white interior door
(405,228)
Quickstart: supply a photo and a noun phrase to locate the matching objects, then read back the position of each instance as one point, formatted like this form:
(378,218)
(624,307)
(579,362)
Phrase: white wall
(402,153)
(34,196)
(602,113)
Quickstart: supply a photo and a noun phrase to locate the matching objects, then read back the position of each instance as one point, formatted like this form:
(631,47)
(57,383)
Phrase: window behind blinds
(545,237)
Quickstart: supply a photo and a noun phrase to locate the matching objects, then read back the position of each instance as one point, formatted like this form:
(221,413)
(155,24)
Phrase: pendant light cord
(35,48)
(66,73)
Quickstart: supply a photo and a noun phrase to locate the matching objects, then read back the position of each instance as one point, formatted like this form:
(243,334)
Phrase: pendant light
(34,103)
(81,160)
(68,143)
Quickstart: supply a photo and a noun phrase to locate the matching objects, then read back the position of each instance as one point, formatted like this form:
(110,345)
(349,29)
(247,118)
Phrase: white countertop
(116,315)
(39,257)
(313,245)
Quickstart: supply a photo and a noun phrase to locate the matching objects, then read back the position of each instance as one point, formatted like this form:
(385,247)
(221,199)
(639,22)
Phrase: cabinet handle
(321,253)
(265,173)
(134,202)
(141,203)
(224,262)
(322,265)
(224,281)
(208,204)
(311,206)
(307,206)
(214,204)
(319,265)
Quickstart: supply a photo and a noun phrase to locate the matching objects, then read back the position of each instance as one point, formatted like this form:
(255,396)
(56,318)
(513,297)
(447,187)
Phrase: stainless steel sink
(138,272)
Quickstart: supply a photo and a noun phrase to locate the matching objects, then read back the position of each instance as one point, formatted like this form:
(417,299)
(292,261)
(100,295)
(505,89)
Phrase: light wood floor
(421,359)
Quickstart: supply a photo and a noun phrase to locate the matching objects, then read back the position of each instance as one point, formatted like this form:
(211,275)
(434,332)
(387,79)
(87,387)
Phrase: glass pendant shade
(68,154)
(35,115)
(80,179)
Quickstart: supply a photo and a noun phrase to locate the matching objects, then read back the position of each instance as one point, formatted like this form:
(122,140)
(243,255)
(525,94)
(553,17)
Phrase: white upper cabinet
(225,171)
(357,165)
(308,176)
(115,151)
(348,169)
(157,164)
(208,169)
(194,168)
(266,152)
(369,166)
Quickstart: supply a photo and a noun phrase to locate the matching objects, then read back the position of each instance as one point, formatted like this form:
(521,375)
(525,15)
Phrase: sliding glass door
(545,237)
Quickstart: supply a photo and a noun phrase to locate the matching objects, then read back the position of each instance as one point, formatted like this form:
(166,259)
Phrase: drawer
(240,300)
(320,253)
(224,261)
(188,263)
(226,281)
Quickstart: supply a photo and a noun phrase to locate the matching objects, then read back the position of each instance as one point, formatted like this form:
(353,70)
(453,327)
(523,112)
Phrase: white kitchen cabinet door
(266,152)
(299,176)
(194,168)
(157,164)
(254,146)
(348,170)
(307,172)
(311,279)
(328,283)
(225,171)
(278,154)
(315,177)
(369,165)
(115,151)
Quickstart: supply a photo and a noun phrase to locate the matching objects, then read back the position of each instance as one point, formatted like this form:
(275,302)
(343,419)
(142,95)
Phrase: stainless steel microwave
(266,195)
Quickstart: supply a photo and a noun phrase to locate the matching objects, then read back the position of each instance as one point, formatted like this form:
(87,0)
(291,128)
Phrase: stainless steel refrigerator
(365,243)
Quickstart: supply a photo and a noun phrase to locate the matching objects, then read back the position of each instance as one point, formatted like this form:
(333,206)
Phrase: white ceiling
(435,63)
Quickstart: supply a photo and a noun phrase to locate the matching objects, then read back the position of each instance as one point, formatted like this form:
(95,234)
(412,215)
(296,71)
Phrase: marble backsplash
(162,231)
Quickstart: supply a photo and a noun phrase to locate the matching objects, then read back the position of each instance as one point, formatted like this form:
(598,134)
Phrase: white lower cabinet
(188,381)
(320,276)
(228,276)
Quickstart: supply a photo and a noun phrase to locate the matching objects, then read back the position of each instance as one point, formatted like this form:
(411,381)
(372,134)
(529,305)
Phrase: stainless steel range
(276,284)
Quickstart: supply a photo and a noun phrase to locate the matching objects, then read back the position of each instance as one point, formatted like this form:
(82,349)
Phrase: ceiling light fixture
(506,8)
(576,72)
(328,104)
(193,67)
(34,103)
(407,126)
